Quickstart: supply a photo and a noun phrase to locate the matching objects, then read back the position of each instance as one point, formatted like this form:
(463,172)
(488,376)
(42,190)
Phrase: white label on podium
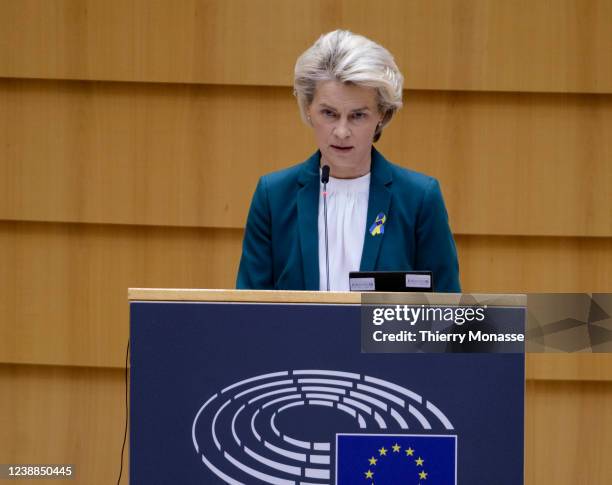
(418,281)
(361,284)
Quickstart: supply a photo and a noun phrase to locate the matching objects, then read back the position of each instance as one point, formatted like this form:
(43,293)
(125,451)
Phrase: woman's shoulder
(406,178)
(407,175)
(284,175)
(289,176)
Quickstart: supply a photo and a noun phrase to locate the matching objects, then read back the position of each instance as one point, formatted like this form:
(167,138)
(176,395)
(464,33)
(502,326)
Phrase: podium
(250,387)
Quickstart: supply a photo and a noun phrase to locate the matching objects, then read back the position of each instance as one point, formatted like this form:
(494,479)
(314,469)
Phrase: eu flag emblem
(375,459)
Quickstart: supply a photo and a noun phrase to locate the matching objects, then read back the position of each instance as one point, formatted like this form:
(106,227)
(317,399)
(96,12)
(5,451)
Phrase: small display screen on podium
(418,281)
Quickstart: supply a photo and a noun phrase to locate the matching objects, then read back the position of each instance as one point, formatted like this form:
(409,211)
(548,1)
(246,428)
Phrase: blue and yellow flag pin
(379,225)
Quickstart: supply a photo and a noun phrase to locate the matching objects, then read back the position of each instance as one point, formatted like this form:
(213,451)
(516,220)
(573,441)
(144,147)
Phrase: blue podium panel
(282,394)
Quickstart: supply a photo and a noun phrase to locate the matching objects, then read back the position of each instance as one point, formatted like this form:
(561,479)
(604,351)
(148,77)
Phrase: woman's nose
(342,130)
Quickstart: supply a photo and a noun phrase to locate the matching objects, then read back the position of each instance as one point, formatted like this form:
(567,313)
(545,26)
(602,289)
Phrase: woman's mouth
(342,149)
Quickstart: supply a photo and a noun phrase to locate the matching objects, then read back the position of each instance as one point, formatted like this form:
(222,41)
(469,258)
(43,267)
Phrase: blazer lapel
(308,224)
(379,202)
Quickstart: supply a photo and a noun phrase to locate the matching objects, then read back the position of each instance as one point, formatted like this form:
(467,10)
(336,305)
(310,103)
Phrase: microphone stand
(324,180)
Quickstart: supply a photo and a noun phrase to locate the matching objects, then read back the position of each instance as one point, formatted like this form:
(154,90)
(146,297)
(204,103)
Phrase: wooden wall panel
(141,154)
(492,264)
(53,415)
(63,288)
(569,367)
(530,164)
(64,415)
(559,45)
(568,432)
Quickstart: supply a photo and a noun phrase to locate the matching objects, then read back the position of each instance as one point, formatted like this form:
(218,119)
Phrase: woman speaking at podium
(379,216)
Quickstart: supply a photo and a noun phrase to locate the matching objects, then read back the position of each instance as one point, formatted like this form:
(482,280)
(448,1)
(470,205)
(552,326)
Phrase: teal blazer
(280,250)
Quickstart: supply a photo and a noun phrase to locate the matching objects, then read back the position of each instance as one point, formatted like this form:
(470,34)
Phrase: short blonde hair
(349,58)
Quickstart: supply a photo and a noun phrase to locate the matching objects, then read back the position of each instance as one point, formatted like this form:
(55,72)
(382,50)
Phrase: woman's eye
(359,116)
(328,113)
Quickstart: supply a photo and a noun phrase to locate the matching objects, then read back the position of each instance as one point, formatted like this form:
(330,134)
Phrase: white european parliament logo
(236,435)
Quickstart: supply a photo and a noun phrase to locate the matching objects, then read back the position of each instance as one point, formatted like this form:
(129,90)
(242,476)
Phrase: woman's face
(344,119)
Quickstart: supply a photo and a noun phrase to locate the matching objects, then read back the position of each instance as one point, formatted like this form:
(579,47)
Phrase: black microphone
(324,180)
(325,174)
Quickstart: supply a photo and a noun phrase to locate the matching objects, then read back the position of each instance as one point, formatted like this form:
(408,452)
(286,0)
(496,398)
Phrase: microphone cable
(127,353)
